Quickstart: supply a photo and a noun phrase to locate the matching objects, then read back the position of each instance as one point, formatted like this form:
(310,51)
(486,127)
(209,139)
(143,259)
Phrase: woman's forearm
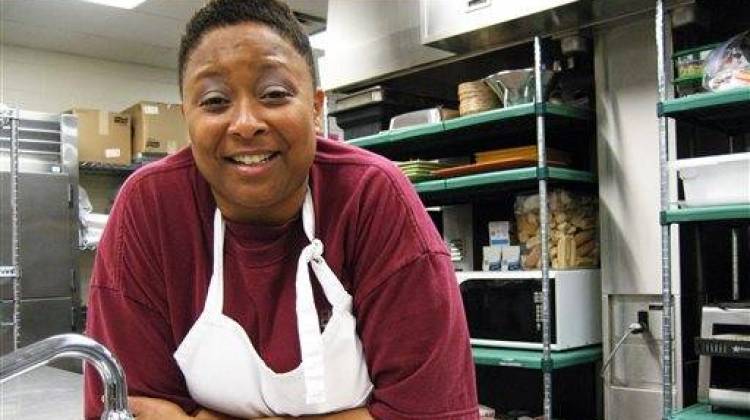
(354,414)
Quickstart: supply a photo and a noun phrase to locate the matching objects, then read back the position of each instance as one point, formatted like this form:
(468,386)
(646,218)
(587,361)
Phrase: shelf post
(9,117)
(544,228)
(666,354)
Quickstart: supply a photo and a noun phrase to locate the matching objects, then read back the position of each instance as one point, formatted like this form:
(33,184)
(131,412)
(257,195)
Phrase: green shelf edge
(703,412)
(568,111)
(532,359)
(564,174)
(415,131)
(492,115)
(701,214)
(430,186)
(675,107)
(490,178)
(495,115)
(370,141)
(503,177)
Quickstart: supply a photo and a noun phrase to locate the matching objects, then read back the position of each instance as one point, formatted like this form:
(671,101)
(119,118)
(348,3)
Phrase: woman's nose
(246,122)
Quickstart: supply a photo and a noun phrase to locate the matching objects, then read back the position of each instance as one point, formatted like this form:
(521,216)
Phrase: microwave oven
(504,308)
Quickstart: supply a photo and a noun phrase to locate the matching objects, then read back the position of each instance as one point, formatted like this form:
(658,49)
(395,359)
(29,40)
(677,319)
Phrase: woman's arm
(154,408)
(355,414)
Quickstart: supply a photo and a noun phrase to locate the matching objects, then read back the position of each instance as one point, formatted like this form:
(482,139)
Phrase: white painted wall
(628,155)
(47,81)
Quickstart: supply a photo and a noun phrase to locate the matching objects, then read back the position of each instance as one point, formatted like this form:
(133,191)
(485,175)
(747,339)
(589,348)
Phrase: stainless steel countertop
(44,393)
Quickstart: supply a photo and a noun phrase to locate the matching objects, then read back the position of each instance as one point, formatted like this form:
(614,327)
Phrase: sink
(42,394)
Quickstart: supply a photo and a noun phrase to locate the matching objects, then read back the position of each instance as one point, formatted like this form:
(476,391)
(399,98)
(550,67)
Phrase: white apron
(225,373)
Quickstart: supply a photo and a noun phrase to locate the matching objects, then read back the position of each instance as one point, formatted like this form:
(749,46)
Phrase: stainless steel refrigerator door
(40,318)
(46,247)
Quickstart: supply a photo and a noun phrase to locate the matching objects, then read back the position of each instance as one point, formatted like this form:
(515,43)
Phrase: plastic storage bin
(715,180)
(689,63)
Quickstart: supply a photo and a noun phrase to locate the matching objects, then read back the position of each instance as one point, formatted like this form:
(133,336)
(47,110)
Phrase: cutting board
(497,165)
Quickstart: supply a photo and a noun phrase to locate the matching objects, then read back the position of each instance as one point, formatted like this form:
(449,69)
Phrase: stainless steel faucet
(79,347)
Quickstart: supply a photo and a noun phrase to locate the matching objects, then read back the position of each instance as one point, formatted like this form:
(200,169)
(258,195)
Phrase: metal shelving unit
(465,134)
(727,112)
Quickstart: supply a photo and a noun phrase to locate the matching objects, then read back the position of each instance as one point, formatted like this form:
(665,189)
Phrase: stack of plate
(420,170)
(476,97)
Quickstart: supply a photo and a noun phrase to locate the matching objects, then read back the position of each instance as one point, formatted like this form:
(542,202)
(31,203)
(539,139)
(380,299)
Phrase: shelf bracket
(540,109)
(548,365)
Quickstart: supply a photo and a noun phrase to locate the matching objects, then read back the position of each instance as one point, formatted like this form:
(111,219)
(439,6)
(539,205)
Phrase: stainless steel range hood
(462,26)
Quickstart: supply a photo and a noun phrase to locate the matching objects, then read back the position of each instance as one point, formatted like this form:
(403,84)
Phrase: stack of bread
(573,241)
(476,97)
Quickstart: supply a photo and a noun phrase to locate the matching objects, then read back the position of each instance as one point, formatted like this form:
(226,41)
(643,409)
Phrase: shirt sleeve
(416,343)
(126,312)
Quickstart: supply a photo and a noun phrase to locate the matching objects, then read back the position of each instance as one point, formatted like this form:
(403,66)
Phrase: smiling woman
(251,107)
(202,285)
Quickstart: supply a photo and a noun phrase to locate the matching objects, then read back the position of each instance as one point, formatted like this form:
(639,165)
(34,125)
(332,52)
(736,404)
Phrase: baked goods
(573,237)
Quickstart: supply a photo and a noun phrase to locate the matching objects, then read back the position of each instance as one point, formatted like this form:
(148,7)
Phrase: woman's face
(250,106)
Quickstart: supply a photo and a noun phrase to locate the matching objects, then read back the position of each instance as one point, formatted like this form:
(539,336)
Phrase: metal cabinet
(38,226)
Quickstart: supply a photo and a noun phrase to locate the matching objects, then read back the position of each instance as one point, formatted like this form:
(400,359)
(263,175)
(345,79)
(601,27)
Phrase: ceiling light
(122,4)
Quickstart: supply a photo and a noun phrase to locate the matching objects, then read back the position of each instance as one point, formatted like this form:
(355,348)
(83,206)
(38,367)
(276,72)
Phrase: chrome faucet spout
(78,347)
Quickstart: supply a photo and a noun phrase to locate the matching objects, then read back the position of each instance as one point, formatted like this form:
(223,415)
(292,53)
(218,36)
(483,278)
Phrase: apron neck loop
(308,215)
(215,298)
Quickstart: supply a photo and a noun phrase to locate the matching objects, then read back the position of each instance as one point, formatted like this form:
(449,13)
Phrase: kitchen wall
(628,155)
(53,82)
(48,81)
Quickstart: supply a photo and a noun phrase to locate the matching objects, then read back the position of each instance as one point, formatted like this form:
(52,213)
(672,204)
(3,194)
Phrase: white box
(499,233)
(715,180)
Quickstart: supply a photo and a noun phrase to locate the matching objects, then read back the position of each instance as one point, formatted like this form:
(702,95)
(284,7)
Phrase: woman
(201,285)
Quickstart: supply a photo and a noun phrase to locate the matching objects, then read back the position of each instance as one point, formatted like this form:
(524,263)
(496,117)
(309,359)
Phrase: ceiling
(148,34)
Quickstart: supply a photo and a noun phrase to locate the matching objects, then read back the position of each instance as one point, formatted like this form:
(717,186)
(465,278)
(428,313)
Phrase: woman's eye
(214,102)
(276,94)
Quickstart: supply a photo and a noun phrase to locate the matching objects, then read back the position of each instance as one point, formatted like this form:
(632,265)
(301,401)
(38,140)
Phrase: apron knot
(317,250)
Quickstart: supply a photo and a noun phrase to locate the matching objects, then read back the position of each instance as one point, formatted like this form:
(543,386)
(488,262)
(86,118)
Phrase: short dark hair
(220,13)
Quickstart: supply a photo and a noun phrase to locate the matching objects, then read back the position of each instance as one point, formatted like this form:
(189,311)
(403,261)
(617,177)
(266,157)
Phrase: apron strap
(215,298)
(308,216)
(334,291)
(310,337)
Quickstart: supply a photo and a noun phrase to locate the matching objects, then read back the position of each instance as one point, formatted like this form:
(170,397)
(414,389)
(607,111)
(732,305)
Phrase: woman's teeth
(252,159)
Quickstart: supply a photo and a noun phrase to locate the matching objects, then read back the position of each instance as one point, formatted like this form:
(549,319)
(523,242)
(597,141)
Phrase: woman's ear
(318,99)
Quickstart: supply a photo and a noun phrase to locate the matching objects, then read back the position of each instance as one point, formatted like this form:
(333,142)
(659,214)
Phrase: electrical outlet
(643,319)
(655,314)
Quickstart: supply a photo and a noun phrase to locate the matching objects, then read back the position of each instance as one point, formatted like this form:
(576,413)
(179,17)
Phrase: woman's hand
(155,409)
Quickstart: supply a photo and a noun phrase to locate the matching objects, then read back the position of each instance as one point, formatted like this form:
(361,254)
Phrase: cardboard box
(103,136)
(158,129)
